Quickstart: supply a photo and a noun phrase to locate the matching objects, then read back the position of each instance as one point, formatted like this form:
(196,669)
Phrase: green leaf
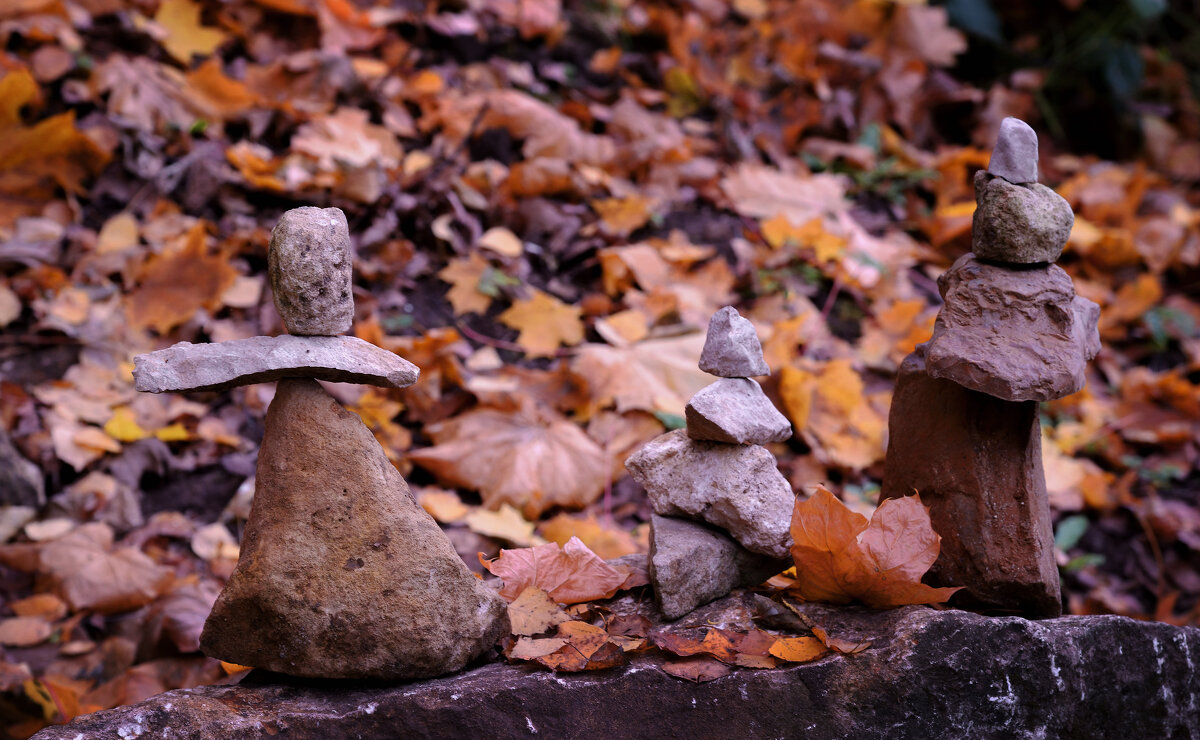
(670,421)
(1069,531)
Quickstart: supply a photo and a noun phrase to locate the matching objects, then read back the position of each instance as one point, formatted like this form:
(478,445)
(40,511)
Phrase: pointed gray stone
(1015,157)
(732,349)
(691,564)
(311,267)
(735,487)
(214,367)
(735,411)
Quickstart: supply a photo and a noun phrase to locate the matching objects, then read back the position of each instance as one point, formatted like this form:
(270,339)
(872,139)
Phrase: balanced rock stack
(963,427)
(722,509)
(342,574)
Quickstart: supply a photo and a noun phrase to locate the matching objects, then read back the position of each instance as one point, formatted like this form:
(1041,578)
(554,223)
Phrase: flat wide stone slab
(927,674)
(216,367)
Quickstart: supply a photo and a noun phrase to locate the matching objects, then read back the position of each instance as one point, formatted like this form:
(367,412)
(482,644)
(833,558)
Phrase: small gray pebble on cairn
(342,574)
(963,428)
(722,508)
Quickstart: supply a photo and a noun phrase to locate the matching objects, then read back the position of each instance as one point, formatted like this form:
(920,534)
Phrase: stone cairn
(722,509)
(963,426)
(342,574)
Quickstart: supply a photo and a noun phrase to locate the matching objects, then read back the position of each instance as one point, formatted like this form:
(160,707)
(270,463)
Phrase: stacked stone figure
(342,574)
(964,427)
(722,509)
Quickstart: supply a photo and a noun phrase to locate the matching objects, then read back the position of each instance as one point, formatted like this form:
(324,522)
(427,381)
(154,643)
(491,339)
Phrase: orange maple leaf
(545,323)
(841,558)
(174,285)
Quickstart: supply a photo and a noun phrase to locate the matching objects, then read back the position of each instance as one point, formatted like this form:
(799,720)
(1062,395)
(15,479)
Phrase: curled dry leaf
(841,558)
(570,574)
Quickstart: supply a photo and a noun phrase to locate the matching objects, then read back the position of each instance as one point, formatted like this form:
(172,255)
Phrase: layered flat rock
(692,563)
(977,462)
(735,411)
(213,367)
(311,267)
(1019,335)
(735,487)
(927,674)
(342,574)
(732,349)
(1015,157)
(1018,224)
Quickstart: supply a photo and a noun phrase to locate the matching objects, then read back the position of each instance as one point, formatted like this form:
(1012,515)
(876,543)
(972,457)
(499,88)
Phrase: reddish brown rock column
(977,462)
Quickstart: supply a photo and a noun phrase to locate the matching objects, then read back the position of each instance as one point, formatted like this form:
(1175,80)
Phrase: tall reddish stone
(977,462)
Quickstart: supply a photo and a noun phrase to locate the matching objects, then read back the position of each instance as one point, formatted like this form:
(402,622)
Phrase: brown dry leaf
(798,649)
(761,192)
(93,575)
(464,275)
(697,669)
(117,234)
(173,286)
(530,17)
(623,216)
(445,506)
(840,557)
(501,241)
(828,406)
(46,606)
(570,575)
(185,35)
(531,458)
(534,612)
(530,648)
(654,375)
(219,96)
(606,540)
(24,631)
(716,643)
(586,648)
(545,323)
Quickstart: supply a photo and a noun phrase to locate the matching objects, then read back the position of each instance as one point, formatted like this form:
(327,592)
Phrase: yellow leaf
(828,406)
(502,241)
(506,523)
(176,432)
(445,506)
(798,649)
(464,274)
(117,234)
(545,323)
(123,426)
(607,541)
(534,612)
(180,19)
(623,216)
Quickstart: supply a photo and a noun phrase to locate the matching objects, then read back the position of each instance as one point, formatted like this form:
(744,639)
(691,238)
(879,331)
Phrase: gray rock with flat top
(213,367)
(732,349)
(735,487)
(311,266)
(1015,157)
(692,563)
(735,411)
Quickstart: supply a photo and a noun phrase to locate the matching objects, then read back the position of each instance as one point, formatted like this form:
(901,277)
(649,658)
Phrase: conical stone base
(342,574)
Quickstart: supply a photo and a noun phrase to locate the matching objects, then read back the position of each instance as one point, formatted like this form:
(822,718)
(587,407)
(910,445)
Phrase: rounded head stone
(1015,157)
(311,268)
(1018,224)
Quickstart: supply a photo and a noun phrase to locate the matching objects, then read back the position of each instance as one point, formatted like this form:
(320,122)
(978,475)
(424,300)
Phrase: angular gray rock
(1015,157)
(213,367)
(735,487)
(1018,224)
(735,411)
(692,564)
(732,349)
(1019,335)
(311,266)
(21,481)
(927,674)
(342,574)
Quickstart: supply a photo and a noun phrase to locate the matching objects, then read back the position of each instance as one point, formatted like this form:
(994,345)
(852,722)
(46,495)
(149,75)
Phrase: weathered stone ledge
(928,674)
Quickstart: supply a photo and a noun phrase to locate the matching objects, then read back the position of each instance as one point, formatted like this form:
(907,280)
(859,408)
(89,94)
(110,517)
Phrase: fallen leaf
(829,407)
(654,375)
(697,669)
(505,523)
(587,648)
(545,323)
(534,612)
(123,426)
(46,606)
(716,643)
(445,506)
(570,574)
(623,216)
(464,274)
(530,458)
(172,287)
(606,540)
(91,574)
(185,35)
(528,648)
(214,541)
(117,234)
(840,557)
(502,241)
(24,631)
(798,649)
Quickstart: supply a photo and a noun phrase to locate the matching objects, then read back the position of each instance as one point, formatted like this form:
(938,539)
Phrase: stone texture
(1020,335)
(1018,224)
(928,674)
(735,487)
(312,269)
(342,574)
(692,564)
(977,462)
(735,411)
(1015,157)
(21,481)
(732,349)
(213,367)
